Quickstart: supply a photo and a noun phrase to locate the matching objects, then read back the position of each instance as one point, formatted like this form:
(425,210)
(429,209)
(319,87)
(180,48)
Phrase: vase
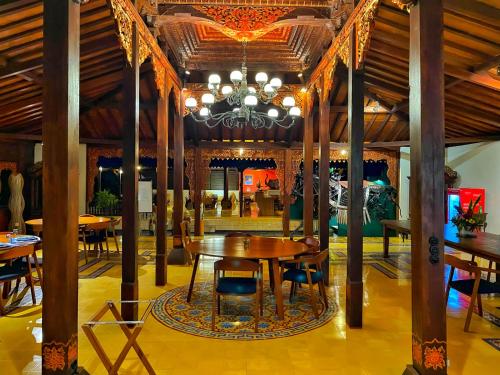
(465,233)
(16,202)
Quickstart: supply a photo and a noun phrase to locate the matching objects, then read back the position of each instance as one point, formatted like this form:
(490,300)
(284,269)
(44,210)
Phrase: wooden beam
(61,20)
(483,79)
(324,177)
(474,9)
(13,68)
(354,284)
(427,186)
(308,194)
(130,215)
(162,186)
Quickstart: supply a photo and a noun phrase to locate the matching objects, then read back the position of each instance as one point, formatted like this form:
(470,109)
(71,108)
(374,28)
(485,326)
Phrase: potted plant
(469,221)
(104,200)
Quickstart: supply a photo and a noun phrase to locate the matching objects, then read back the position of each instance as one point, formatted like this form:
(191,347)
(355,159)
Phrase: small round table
(257,248)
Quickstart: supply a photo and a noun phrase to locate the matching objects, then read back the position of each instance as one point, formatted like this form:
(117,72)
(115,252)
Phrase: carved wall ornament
(125,15)
(434,354)
(364,25)
(405,4)
(416,350)
(340,47)
(160,75)
(57,356)
(243,23)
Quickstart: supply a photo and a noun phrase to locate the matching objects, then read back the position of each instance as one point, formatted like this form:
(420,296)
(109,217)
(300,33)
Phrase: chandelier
(243,100)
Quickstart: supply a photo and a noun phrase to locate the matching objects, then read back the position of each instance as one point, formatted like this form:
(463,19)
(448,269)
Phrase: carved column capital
(405,4)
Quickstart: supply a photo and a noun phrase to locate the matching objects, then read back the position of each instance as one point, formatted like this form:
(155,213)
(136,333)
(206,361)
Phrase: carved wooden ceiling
(282,36)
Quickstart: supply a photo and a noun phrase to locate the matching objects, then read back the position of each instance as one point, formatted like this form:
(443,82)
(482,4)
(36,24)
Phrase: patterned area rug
(236,321)
(494,343)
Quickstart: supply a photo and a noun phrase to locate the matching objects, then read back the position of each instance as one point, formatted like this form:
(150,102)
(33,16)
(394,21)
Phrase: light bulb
(214,79)
(191,103)
(252,90)
(268,89)
(294,112)
(236,76)
(236,109)
(288,101)
(204,112)
(275,83)
(208,99)
(100,169)
(250,100)
(261,78)
(121,171)
(273,112)
(227,90)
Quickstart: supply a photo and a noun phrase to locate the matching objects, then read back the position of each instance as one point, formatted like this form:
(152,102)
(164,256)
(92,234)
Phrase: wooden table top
(82,220)
(258,247)
(485,245)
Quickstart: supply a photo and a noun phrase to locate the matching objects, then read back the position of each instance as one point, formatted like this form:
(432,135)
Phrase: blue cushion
(95,237)
(300,276)
(12,272)
(289,265)
(237,285)
(466,286)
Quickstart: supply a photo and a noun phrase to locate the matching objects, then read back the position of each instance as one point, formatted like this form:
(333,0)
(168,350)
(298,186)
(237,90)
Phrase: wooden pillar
(308,165)
(130,179)
(198,182)
(427,185)
(161,189)
(226,185)
(61,53)
(178,178)
(324,174)
(354,293)
(286,192)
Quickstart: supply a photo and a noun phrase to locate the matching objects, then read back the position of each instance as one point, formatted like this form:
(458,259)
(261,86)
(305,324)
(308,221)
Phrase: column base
(354,304)
(410,370)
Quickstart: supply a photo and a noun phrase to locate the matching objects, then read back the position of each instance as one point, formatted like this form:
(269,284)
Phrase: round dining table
(271,249)
(82,220)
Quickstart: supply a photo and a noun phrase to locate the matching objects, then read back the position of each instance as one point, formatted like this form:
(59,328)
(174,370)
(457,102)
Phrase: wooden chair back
(236,265)
(311,242)
(237,234)
(316,259)
(97,226)
(115,221)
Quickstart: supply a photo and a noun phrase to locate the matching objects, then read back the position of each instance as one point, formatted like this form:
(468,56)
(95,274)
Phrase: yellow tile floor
(382,346)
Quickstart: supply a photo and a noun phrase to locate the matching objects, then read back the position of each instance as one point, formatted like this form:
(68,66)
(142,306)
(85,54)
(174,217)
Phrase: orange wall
(252,176)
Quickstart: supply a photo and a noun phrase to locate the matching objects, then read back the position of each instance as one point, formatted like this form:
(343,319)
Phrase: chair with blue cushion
(470,287)
(15,268)
(237,285)
(96,234)
(313,248)
(307,270)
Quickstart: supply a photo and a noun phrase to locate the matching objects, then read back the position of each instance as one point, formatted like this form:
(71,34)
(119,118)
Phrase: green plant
(104,199)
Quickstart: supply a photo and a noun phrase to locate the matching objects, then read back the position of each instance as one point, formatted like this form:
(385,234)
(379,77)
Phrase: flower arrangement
(469,221)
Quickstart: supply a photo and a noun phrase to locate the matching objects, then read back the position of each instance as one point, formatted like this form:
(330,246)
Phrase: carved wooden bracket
(405,4)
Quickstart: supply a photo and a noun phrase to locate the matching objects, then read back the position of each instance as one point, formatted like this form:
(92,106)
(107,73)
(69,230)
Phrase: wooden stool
(130,333)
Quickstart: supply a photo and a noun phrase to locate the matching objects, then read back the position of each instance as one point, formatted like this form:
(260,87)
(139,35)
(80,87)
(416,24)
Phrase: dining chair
(15,269)
(238,285)
(472,287)
(95,233)
(304,273)
(313,248)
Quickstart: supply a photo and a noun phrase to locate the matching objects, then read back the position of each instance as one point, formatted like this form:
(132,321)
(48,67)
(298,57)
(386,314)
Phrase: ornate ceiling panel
(282,35)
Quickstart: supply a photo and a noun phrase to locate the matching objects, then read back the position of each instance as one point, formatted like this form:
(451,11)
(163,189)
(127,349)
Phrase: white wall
(82,173)
(478,166)
(404,183)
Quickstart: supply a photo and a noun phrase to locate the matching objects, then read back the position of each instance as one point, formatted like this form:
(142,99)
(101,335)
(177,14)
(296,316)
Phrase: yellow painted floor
(383,346)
